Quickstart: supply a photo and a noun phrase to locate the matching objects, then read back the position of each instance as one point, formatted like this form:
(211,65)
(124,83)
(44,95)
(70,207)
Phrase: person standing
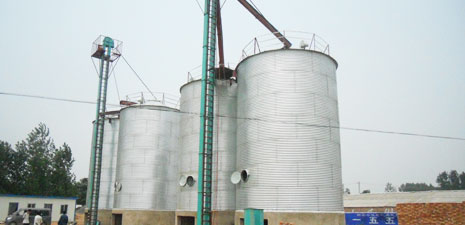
(38,219)
(63,219)
(26,216)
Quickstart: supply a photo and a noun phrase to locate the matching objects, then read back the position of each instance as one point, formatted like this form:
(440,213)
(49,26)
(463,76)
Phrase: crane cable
(256,8)
(224,2)
(140,79)
(200,7)
(112,71)
(116,85)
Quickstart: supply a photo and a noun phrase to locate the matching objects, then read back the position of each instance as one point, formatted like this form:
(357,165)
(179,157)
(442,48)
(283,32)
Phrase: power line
(258,119)
(330,126)
(401,133)
(52,98)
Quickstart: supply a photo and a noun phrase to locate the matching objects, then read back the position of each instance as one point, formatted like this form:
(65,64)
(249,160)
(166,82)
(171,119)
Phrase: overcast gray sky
(401,68)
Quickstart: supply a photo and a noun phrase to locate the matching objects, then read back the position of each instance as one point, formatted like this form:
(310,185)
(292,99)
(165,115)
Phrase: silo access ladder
(204,201)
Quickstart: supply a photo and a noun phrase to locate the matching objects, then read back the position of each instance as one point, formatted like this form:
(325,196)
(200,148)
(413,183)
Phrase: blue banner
(371,218)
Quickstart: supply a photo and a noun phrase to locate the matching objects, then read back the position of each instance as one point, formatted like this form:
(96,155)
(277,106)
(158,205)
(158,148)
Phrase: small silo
(109,157)
(224,151)
(147,160)
(288,156)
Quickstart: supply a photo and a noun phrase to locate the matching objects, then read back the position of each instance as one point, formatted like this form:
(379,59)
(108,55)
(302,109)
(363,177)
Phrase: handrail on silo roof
(309,41)
(159,98)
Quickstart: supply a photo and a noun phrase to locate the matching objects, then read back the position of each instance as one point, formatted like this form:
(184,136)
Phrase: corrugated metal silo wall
(224,144)
(288,99)
(147,158)
(109,157)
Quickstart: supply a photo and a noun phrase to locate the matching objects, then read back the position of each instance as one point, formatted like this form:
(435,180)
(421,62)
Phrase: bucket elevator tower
(204,201)
(102,50)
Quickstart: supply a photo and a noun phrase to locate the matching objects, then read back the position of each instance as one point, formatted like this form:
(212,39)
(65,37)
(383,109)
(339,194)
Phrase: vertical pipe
(219,28)
(206,30)
(90,180)
(101,124)
(97,140)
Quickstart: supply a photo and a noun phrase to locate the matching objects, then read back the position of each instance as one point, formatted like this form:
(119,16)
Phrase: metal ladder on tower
(97,139)
(204,201)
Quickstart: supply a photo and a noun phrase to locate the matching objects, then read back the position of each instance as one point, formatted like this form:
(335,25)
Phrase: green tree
(81,187)
(62,179)
(390,188)
(6,155)
(39,148)
(36,166)
(462,181)
(409,187)
(13,170)
(454,180)
(443,181)
(451,181)
(19,172)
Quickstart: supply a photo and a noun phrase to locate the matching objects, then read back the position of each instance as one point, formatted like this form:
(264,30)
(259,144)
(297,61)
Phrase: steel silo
(109,157)
(224,145)
(147,158)
(287,151)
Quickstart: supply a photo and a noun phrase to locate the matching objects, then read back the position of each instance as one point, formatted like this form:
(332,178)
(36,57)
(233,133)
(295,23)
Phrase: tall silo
(147,161)
(109,157)
(288,147)
(224,151)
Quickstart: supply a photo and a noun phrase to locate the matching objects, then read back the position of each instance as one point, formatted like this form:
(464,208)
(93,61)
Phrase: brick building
(413,208)
(431,213)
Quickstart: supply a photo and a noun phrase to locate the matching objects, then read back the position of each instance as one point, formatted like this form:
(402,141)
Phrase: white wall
(39,201)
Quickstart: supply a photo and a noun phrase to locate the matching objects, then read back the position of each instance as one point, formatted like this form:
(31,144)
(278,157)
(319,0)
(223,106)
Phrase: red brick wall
(431,213)
(370,209)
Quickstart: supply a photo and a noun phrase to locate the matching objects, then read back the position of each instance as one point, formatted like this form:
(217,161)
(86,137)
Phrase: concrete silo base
(219,218)
(297,218)
(131,217)
(104,216)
